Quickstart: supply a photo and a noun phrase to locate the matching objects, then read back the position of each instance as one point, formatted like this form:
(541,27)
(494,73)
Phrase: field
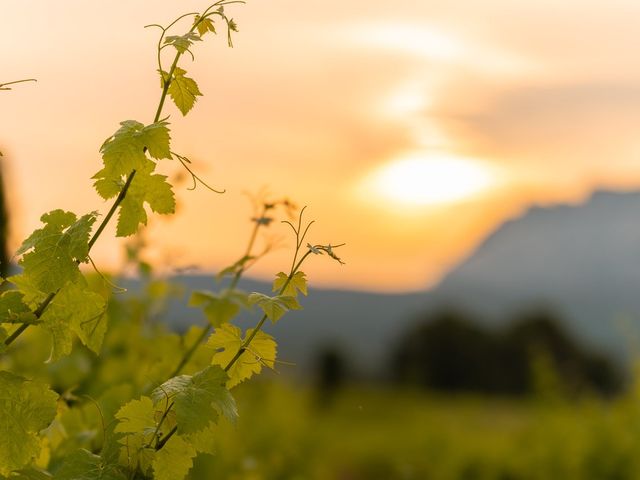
(371,433)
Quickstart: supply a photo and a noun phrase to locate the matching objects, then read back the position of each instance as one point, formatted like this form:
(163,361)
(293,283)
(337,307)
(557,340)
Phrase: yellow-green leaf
(75,309)
(220,307)
(26,407)
(298,283)
(137,416)
(227,341)
(198,399)
(183,91)
(152,189)
(204,25)
(51,253)
(174,460)
(274,307)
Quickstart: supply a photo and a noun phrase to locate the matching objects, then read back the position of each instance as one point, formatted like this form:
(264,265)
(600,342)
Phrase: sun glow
(420,181)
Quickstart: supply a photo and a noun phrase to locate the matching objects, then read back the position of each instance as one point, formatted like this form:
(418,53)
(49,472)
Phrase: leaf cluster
(118,396)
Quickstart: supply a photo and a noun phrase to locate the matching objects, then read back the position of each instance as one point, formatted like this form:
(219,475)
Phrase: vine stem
(38,313)
(164,416)
(187,356)
(163,441)
(121,196)
(247,252)
(47,301)
(112,210)
(3,86)
(236,278)
(167,81)
(260,324)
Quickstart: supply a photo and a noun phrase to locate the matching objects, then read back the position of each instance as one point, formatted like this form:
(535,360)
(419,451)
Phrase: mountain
(581,261)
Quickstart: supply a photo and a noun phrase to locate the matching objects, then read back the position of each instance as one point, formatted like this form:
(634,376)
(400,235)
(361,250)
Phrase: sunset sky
(412,129)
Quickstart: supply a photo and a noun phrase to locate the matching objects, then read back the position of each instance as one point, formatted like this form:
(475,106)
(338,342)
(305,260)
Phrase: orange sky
(314,98)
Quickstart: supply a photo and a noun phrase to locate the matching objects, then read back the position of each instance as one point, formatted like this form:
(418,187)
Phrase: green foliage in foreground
(90,386)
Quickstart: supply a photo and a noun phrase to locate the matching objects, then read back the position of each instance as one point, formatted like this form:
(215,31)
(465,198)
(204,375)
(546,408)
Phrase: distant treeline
(448,351)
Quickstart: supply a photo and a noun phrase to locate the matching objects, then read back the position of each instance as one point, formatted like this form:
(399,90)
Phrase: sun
(430,180)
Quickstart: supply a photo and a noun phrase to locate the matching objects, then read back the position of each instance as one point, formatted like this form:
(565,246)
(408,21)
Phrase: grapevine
(149,425)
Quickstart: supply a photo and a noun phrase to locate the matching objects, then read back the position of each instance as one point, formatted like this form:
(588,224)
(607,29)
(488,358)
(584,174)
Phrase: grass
(368,433)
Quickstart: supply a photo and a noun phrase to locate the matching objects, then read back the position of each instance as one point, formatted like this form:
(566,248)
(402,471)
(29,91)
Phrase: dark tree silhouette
(331,371)
(448,351)
(5,257)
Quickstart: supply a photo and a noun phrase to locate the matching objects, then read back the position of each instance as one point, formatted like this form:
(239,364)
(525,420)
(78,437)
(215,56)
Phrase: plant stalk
(187,356)
(260,324)
(163,441)
(164,416)
(121,196)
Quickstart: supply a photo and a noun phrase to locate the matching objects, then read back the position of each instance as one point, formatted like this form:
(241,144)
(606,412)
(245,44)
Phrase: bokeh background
(480,159)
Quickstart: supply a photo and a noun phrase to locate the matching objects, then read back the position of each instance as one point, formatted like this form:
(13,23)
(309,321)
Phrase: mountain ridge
(581,261)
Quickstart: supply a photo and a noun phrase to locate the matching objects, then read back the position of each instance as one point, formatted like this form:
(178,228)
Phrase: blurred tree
(4,226)
(444,352)
(330,366)
(539,332)
(448,351)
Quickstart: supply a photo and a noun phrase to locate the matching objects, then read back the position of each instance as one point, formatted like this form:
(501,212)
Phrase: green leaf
(84,465)
(137,416)
(32,296)
(227,341)
(75,309)
(174,460)
(157,140)
(51,252)
(219,308)
(136,420)
(55,221)
(204,25)
(124,152)
(131,215)
(30,474)
(152,189)
(204,441)
(199,399)
(13,309)
(274,307)
(183,91)
(26,407)
(136,454)
(108,186)
(298,283)
(182,43)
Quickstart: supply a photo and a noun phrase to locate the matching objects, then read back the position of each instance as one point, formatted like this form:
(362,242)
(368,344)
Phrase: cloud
(581,125)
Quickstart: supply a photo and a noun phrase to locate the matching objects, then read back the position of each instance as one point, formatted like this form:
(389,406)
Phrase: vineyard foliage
(91,386)
(374,433)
